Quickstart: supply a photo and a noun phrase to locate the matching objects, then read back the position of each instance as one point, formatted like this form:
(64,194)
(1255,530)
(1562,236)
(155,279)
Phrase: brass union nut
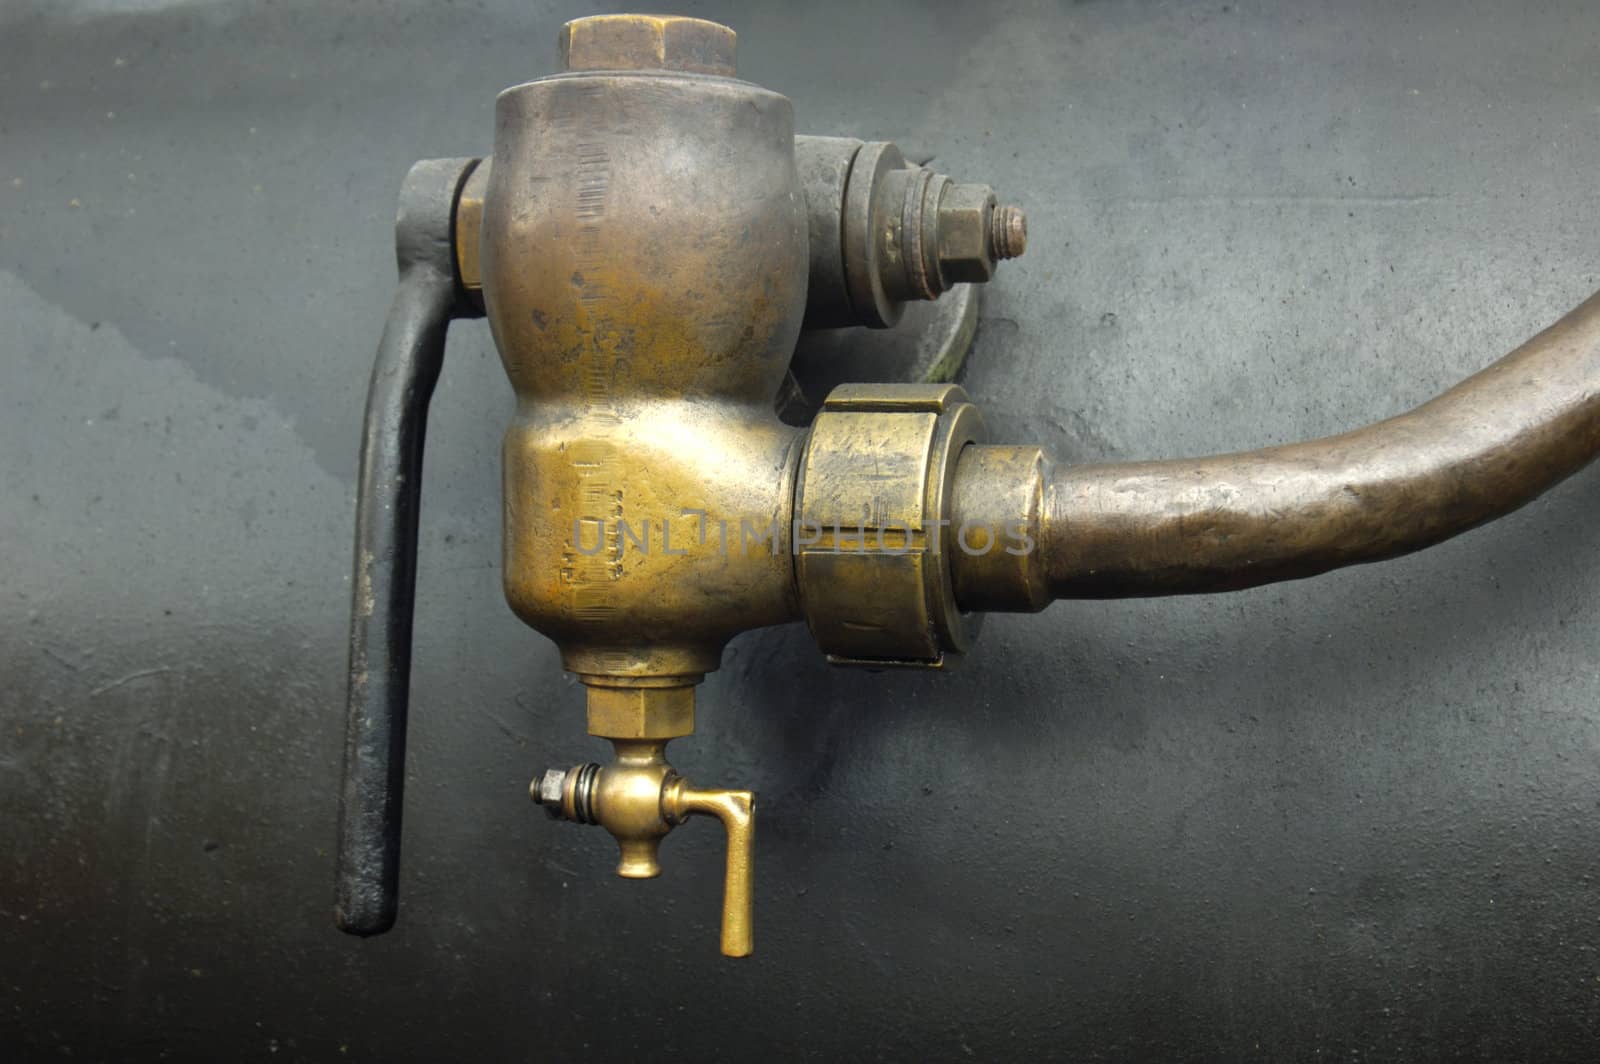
(648,42)
(965,251)
(872,526)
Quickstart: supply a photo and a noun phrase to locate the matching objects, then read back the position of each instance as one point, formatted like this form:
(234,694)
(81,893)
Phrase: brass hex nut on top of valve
(648,42)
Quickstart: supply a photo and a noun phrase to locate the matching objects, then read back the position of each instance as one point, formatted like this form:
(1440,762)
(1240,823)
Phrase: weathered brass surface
(737,811)
(640,244)
(469,230)
(648,42)
(1482,449)
(871,546)
(639,798)
(645,297)
(629,709)
(646,242)
(884,232)
(999,497)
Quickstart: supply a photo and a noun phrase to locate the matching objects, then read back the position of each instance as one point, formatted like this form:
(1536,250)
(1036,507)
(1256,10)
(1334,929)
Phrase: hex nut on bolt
(975,233)
(965,234)
(547,791)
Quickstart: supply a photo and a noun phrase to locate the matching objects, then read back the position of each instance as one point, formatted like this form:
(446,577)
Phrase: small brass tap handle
(638,798)
(737,811)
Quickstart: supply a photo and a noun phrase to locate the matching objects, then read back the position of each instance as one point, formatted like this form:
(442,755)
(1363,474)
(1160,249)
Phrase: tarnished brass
(469,229)
(646,242)
(635,708)
(1482,449)
(645,296)
(737,811)
(998,496)
(640,244)
(884,232)
(639,798)
(871,546)
(648,42)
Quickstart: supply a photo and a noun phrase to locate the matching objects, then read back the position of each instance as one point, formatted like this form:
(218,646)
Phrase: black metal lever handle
(385,575)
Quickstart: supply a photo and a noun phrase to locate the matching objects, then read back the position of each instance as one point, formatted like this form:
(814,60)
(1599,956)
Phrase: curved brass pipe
(1186,526)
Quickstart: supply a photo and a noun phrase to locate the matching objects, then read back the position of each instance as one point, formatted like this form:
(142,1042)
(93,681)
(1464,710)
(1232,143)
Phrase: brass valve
(646,296)
(647,241)
(639,797)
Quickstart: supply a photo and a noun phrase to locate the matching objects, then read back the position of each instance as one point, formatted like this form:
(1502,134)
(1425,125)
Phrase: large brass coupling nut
(872,533)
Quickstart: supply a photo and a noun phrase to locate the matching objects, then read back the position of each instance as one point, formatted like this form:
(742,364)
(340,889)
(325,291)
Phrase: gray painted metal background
(1351,818)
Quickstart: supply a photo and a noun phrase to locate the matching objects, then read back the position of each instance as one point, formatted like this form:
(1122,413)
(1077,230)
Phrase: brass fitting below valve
(639,797)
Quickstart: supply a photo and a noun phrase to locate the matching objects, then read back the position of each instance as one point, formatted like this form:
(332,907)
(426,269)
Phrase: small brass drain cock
(639,797)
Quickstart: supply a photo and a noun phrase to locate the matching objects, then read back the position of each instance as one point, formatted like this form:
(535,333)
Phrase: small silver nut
(548,790)
(964,234)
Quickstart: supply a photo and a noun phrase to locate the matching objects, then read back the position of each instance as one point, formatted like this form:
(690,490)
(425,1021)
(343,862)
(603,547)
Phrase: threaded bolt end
(567,794)
(1008,232)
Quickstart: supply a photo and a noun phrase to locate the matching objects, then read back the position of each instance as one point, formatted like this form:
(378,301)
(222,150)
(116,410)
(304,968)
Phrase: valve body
(646,249)
(644,263)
